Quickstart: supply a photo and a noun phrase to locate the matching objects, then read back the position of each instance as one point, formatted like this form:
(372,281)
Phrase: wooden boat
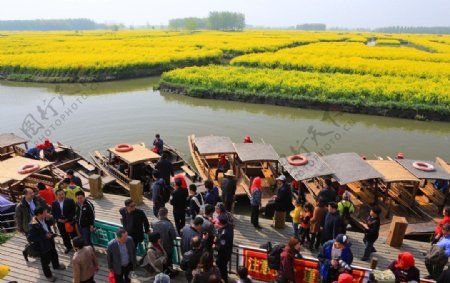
(138,164)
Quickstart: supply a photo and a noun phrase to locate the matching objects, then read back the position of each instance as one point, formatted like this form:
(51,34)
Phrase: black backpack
(274,255)
(165,192)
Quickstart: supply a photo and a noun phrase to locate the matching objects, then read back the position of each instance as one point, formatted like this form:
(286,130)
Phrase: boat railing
(7,220)
(119,175)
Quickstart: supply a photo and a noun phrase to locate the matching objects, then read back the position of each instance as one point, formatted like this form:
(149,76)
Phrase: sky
(279,13)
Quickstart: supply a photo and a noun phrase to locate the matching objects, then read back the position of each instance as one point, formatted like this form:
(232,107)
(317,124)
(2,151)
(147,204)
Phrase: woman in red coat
(290,252)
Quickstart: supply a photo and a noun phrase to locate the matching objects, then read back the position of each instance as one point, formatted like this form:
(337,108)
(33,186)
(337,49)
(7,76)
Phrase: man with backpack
(437,257)
(346,209)
(160,193)
(287,258)
(196,202)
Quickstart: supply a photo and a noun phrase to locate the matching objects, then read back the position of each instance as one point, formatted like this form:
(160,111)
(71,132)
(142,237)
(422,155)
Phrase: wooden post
(136,191)
(53,176)
(416,187)
(95,186)
(130,171)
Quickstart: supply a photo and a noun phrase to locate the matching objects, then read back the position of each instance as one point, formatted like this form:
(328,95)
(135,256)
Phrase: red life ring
(123,147)
(28,168)
(301,160)
(424,166)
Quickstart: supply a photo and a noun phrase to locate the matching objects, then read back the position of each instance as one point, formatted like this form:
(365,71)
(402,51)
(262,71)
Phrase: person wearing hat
(228,186)
(437,258)
(371,231)
(224,245)
(345,278)
(179,200)
(404,269)
(345,208)
(248,139)
(335,257)
(283,202)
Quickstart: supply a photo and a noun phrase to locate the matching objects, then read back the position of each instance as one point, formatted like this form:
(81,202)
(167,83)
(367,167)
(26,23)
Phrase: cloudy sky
(277,13)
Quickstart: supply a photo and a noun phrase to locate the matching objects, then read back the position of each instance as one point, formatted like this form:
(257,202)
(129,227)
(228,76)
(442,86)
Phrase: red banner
(305,269)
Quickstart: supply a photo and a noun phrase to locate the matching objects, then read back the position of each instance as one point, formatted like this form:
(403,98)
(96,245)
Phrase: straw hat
(229,173)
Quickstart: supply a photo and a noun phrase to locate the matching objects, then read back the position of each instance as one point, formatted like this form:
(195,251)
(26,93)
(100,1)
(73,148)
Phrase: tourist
(404,269)
(335,258)
(40,234)
(255,201)
(48,148)
(84,217)
(46,192)
(346,209)
(70,174)
(212,193)
(208,225)
(345,278)
(221,210)
(242,273)
(179,202)
(320,211)
(283,202)
(84,262)
(371,232)
(222,166)
(328,193)
(332,223)
(196,201)
(69,188)
(156,257)
(445,276)
(33,153)
(437,257)
(224,245)
(165,228)
(121,256)
(165,169)
(445,220)
(441,185)
(248,139)
(158,143)
(296,214)
(287,258)
(205,268)
(228,186)
(134,221)
(305,223)
(63,210)
(189,232)
(192,257)
(158,188)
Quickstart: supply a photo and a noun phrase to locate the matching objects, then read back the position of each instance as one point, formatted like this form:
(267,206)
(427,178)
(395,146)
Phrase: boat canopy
(392,171)
(437,173)
(441,162)
(139,154)
(10,139)
(9,168)
(350,167)
(315,167)
(251,152)
(214,145)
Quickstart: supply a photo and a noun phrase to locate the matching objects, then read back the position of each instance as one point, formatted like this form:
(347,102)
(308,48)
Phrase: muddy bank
(390,111)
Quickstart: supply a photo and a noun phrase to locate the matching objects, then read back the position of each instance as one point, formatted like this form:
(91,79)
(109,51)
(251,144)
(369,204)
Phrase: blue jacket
(212,196)
(156,190)
(331,226)
(325,258)
(444,243)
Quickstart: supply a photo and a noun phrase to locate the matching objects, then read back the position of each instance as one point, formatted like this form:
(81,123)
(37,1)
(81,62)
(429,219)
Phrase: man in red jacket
(445,220)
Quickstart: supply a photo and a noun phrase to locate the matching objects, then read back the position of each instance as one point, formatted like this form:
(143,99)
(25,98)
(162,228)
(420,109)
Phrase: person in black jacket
(41,235)
(192,257)
(63,210)
(165,169)
(332,224)
(328,193)
(84,217)
(134,221)
(283,201)
(179,202)
(224,245)
(228,186)
(371,232)
(445,276)
(195,201)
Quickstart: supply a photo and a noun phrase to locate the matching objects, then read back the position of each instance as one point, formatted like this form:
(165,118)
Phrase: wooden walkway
(108,207)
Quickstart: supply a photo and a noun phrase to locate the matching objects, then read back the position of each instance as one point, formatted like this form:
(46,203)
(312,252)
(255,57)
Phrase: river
(99,115)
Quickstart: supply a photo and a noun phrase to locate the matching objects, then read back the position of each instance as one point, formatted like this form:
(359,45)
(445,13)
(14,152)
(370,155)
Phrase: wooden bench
(188,171)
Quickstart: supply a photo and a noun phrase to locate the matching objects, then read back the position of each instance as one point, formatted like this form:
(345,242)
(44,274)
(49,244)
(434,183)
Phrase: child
(305,223)
(295,214)
(243,275)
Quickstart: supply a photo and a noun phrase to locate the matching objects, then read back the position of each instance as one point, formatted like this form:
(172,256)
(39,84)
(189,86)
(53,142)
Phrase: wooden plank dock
(107,208)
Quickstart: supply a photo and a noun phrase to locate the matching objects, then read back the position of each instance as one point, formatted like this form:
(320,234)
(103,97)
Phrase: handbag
(32,249)
(111,277)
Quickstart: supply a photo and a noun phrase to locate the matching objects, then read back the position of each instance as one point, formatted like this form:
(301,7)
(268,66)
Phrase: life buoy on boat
(28,168)
(297,160)
(424,166)
(123,147)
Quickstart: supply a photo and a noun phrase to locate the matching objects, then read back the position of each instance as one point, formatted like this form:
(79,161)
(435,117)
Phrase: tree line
(224,21)
(45,25)
(428,30)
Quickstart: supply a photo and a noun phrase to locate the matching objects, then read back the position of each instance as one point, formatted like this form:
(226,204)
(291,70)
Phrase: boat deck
(107,209)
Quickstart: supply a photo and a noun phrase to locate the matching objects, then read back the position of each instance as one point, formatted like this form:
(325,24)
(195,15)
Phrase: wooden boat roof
(139,154)
(392,171)
(438,173)
(350,167)
(9,168)
(214,145)
(248,152)
(315,167)
(10,139)
(441,162)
